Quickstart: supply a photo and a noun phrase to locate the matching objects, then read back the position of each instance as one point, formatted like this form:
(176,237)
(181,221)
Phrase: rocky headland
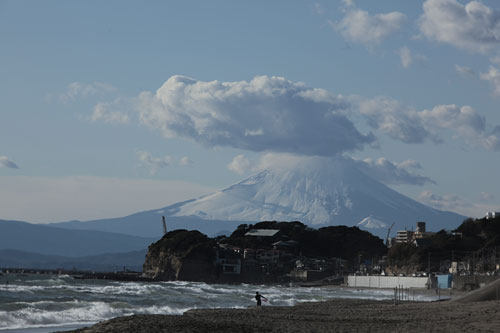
(181,255)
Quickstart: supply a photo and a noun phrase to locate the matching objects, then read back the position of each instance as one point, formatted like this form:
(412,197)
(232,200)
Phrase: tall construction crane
(388,232)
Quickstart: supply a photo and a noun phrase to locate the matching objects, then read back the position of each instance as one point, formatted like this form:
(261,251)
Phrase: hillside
(474,243)
(327,242)
(192,256)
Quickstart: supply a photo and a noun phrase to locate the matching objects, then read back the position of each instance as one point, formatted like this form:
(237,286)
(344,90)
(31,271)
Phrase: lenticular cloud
(264,114)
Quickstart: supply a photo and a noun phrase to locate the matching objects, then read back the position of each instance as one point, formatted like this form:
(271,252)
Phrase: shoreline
(341,314)
(361,294)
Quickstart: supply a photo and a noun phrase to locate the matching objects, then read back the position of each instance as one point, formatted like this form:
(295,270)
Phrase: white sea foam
(49,302)
(35,316)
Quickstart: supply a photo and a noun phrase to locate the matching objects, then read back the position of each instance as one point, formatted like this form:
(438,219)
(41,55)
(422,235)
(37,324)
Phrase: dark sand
(340,315)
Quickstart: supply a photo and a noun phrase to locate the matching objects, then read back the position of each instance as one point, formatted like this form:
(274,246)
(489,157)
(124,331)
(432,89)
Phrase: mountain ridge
(316,191)
(53,240)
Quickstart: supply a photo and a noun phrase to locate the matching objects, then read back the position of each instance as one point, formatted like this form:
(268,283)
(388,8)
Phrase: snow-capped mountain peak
(318,192)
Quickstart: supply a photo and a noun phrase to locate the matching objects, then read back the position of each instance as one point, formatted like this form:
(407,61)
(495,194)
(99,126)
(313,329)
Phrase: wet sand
(339,315)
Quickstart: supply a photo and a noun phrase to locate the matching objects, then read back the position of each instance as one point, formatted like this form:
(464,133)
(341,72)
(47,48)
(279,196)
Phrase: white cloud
(5,162)
(449,202)
(495,60)
(319,8)
(473,26)
(485,196)
(361,27)
(405,56)
(463,70)
(462,119)
(491,140)
(392,173)
(381,169)
(272,114)
(348,3)
(240,164)
(43,199)
(258,131)
(264,114)
(390,117)
(77,89)
(493,77)
(412,126)
(271,160)
(452,202)
(154,163)
(106,112)
(185,161)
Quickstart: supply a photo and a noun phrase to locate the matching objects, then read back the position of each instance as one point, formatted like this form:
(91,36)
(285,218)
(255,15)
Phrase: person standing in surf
(260,298)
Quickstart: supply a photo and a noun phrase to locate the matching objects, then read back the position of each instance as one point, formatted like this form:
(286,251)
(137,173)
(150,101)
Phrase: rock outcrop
(181,255)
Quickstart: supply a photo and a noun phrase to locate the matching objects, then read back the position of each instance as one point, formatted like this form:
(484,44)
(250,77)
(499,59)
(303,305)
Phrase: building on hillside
(492,215)
(404,236)
(228,260)
(419,237)
(262,232)
(288,248)
(420,229)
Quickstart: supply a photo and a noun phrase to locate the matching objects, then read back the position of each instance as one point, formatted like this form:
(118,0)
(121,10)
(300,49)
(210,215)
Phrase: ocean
(47,303)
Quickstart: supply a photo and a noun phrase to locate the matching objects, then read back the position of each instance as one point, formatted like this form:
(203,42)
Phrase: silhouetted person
(259,298)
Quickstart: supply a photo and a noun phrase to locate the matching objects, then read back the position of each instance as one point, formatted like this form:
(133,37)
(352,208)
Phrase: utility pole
(429,263)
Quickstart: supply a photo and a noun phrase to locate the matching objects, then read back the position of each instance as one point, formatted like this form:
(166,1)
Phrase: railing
(403,295)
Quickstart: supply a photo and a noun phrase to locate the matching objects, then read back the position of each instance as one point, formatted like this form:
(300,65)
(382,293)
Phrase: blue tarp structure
(444,281)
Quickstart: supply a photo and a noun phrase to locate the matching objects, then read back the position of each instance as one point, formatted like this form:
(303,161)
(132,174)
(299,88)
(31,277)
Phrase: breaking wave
(52,301)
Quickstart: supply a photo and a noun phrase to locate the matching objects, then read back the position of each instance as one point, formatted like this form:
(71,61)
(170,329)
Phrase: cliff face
(181,255)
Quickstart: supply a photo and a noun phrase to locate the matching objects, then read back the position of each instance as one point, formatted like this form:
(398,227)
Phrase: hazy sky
(112,107)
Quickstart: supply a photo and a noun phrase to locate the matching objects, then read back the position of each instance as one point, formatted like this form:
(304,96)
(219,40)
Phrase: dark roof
(262,232)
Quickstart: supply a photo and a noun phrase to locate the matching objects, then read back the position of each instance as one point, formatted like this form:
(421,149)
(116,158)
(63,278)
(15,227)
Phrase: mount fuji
(316,191)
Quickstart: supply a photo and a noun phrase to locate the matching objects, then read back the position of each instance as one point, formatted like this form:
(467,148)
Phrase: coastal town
(290,252)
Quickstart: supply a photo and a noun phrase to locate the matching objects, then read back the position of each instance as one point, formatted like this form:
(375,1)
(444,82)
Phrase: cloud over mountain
(381,169)
(473,26)
(392,173)
(273,114)
(268,113)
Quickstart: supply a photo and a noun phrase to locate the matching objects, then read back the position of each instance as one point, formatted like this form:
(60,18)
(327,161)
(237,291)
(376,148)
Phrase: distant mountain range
(51,240)
(109,262)
(318,192)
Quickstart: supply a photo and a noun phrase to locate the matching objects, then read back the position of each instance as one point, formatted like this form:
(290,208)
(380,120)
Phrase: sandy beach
(340,315)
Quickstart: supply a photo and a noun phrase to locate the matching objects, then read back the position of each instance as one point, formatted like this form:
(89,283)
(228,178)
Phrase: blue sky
(110,107)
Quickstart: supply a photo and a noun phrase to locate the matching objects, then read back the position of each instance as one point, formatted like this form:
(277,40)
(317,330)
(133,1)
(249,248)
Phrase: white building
(492,215)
